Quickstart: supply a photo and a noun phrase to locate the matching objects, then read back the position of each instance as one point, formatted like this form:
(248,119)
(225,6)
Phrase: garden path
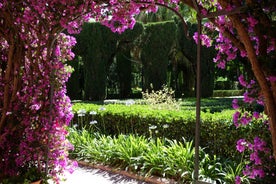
(85,175)
(89,175)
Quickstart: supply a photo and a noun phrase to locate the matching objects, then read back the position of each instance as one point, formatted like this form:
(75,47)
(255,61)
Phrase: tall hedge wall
(97,47)
(156,43)
(123,59)
(188,48)
(95,51)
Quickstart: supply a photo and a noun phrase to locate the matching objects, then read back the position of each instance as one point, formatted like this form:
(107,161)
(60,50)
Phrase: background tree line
(155,53)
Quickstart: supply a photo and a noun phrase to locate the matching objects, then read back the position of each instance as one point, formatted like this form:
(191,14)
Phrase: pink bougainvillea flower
(252,21)
(235,104)
(241,145)
(236,117)
(237,180)
(242,81)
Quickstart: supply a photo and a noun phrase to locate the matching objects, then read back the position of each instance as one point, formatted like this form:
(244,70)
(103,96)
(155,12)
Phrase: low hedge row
(224,93)
(218,134)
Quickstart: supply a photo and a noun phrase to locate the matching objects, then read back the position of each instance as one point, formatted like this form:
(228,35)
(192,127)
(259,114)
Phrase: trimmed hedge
(156,43)
(188,48)
(224,93)
(218,134)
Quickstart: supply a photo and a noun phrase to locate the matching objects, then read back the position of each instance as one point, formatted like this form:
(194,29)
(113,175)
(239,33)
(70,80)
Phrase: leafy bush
(208,104)
(218,134)
(161,99)
(224,93)
(148,156)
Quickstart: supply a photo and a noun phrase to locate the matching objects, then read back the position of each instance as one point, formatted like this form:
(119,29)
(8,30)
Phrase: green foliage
(188,48)
(156,43)
(124,73)
(96,45)
(74,85)
(225,93)
(147,156)
(208,104)
(94,66)
(226,79)
(163,14)
(120,71)
(218,134)
(233,169)
(161,99)
(98,73)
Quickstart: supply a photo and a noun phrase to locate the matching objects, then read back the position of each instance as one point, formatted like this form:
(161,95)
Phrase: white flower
(75,125)
(81,115)
(102,108)
(92,112)
(81,112)
(93,122)
(166,126)
(152,127)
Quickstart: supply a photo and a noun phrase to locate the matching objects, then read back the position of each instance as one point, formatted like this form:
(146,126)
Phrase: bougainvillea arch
(33,101)
(34,107)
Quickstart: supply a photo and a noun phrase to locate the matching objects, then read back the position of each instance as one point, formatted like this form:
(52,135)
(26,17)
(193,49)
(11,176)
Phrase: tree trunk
(11,79)
(266,88)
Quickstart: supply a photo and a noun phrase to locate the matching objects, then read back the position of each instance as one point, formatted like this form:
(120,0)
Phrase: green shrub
(161,99)
(218,134)
(148,156)
(156,43)
(225,93)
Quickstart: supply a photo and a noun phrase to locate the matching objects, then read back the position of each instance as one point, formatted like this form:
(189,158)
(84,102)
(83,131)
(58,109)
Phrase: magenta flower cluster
(36,119)
(257,149)
(205,40)
(225,47)
(42,111)
(245,113)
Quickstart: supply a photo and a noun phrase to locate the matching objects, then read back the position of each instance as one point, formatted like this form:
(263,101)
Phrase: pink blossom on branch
(252,21)
(205,40)
(43,115)
(241,145)
(235,104)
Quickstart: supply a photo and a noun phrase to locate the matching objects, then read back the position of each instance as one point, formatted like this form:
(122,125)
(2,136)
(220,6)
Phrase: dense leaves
(151,156)
(219,135)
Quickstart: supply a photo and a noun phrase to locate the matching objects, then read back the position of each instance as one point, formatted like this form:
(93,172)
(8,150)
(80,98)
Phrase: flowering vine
(34,49)
(240,34)
(34,107)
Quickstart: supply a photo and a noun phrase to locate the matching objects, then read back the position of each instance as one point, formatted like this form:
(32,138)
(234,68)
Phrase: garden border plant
(150,156)
(219,134)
